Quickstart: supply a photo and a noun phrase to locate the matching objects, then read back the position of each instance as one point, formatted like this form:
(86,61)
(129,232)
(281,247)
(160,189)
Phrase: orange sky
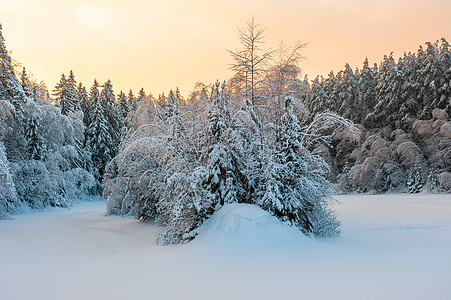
(160,45)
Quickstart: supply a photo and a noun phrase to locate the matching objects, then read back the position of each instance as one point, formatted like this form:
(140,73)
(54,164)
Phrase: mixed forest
(264,136)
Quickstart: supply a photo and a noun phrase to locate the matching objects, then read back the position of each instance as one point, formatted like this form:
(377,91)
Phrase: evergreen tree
(366,91)
(10,88)
(141,95)
(347,95)
(35,141)
(8,194)
(444,82)
(329,87)
(132,101)
(294,186)
(318,99)
(226,176)
(162,107)
(66,94)
(388,91)
(409,93)
(25,83)
(114,122)
(85,105)
(72,93)
(124,107)
(98,138)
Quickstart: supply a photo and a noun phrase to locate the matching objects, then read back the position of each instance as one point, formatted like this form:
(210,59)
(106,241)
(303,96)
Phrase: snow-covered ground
(391,247)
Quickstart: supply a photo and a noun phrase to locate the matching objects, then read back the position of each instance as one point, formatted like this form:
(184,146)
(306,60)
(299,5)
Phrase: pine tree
(388,93)
(98,138)
(132,101)
(8,194)
(72,93)
(427,79)
(35,142)
(295,188)
(347,95)
(162,108)
(141,95)
(114,122)
(414,181)
(366,89)
(444,82)
(66,94)
(124,107)
(226,176)
(409,93)
(85,105)
(10,88)
(318,99)
(25,83)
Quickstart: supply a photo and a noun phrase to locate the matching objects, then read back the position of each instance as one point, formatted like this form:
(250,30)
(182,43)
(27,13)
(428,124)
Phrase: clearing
(393,246)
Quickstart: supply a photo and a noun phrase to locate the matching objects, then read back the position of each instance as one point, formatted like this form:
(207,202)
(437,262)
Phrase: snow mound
(247,225)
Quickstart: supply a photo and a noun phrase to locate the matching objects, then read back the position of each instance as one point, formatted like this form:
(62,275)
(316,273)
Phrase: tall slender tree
(250,62)
(98,138)
(115,123)
(10,88)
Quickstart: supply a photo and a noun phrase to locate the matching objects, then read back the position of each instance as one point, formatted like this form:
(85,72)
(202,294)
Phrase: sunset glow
(161,45)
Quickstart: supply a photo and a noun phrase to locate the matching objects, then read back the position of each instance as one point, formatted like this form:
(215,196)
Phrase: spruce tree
(132,101)
(294,184)
(35,141)
(66,94)
(318,99)
(444,82)
(365,90)
(25,83)
(124,107)
(72,93)
(347,95)
(10,88)
(226,173)
(141,95)
(85,105)
(98,138)
(115,123)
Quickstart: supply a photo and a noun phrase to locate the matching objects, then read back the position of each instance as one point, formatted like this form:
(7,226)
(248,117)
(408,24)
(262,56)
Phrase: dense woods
(264,137)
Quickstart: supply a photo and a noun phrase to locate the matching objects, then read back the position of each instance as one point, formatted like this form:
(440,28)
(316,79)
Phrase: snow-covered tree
(295,185)
(226,179)
(98,137)
(141,95)
(8,194)
(123,105)
(348,95)
(25,82)
(10,88)
(35,142)
(365,91)
(85,105)
(115,123)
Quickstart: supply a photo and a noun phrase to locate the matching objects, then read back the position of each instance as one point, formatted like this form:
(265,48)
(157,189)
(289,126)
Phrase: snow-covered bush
(183,166)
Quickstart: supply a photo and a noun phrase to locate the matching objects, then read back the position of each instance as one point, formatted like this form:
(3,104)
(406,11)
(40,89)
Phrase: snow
(393,246)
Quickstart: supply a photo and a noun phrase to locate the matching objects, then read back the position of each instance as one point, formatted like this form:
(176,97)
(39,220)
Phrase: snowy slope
(392,247)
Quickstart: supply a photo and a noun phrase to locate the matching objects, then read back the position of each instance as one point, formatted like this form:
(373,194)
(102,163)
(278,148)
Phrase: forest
(266,136)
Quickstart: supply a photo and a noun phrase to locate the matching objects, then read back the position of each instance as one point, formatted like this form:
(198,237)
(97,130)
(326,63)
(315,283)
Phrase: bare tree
(250,61)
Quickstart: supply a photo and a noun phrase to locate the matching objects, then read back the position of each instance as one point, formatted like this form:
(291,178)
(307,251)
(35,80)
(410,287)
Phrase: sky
(161,45)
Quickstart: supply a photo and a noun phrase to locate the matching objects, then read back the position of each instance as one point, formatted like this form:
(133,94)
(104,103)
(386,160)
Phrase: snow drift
(246,225)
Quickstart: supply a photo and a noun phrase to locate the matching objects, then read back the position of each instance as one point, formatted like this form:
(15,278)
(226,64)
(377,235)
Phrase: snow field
(394,246)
